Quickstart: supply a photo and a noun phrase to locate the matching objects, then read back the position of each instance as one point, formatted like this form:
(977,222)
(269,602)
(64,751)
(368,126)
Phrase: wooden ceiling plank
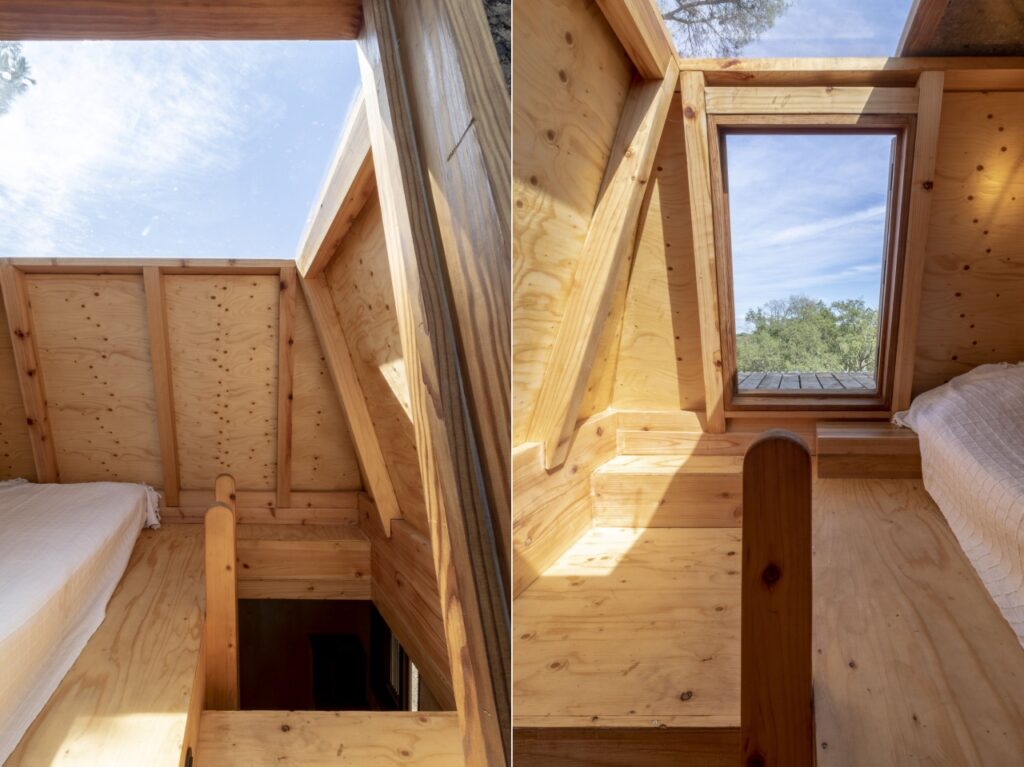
(180,20)
(929,115)
(30,375)
(474,609)
(605,251)
(160,353)
(285,384)
(698,166)
(338,356)
(349,185)
(643,34)
(810,100)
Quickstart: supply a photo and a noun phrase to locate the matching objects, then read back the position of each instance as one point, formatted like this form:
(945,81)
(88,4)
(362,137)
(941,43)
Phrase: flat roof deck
(913,664)
(790,381)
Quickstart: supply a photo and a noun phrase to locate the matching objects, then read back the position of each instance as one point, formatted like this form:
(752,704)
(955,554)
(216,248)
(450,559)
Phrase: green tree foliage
(14,74)
(804,334)
(719,27)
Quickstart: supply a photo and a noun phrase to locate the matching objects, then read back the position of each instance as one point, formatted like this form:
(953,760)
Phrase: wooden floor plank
(790,381)
(635,631)
(809,381)
(126,699)
(771,381)
(334,739)
(828,381)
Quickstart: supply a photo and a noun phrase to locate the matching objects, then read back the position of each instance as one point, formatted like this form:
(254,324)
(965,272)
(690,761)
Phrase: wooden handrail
(221,627)
(776,698)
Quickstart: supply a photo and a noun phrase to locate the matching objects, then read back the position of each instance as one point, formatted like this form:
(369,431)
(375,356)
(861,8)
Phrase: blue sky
(171,149)
(807,212)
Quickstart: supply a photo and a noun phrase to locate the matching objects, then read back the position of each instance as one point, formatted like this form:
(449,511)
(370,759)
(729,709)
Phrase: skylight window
(785,28)
(169,149)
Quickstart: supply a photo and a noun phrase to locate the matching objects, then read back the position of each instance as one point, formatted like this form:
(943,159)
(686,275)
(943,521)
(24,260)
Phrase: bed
(63,550)
(972,458)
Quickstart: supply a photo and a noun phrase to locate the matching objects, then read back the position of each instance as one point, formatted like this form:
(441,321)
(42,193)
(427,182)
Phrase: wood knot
(771,575)
(689,112)
(928,185)
(686,695)
(285,728)
(756,760)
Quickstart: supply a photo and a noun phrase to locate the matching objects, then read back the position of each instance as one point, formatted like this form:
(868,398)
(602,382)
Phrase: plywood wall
(323,457)
(15,448)
(972,304)
(571,78)
(360,284)
(659,357)
(93,343)
(223,332)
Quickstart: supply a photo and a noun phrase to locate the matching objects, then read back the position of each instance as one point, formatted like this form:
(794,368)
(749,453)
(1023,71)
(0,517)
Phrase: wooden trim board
(285,384)
(160,353)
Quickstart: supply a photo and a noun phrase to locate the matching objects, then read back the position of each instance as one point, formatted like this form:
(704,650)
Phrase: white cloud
(109,119)
(803,232)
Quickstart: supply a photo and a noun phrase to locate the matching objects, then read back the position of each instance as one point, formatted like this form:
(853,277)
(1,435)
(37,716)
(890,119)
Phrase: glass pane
(785,28)
(808,226)
(168,149)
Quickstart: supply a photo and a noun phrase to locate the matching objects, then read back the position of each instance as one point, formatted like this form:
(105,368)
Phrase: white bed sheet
(972,458)
(63,550)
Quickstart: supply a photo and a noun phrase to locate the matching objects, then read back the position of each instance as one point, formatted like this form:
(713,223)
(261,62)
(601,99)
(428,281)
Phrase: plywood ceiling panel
(223,338)
(93,345)
(323,457)
(15,448)
(571,78)
(360,283)
(973,289)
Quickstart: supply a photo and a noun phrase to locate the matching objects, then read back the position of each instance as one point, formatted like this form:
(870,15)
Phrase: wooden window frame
(902,127)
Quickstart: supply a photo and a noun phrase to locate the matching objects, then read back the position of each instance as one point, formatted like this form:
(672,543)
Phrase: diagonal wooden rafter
(343,373)
(160,354)
(643,34)
(474,609)
(605,250)
(30,376)
(285,383)
(698,166)
(350,184)
(926,140)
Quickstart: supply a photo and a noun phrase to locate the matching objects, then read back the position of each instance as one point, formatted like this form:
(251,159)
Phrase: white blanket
(63,550)
(972,458)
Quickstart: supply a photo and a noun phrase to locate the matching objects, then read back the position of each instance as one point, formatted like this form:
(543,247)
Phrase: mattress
(63,550)
(972,459)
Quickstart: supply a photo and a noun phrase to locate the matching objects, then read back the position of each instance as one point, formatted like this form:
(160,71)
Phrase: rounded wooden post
(221,626)
(224,490)
(776,697)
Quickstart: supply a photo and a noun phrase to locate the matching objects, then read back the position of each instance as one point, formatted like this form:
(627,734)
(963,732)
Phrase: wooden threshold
(328,738)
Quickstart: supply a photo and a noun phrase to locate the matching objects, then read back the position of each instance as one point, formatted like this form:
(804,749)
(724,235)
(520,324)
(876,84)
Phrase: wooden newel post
(776,697)
(220,637)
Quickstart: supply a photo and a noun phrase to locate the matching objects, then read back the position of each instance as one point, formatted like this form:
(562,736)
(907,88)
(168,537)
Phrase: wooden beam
(929,115)
(466,154)
(776,696)
(605,251)
(220,631)
(921,25)
(339,361)
(474,608)
(349,185)
(30,375)
(640,29)
(180,19)
(810,100)
(698,168)
(160,355)
(285,382)
(136,265)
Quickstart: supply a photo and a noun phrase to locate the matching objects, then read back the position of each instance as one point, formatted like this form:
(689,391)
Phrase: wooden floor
(639,628)
(319,739)
(126,700)
(797,381)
